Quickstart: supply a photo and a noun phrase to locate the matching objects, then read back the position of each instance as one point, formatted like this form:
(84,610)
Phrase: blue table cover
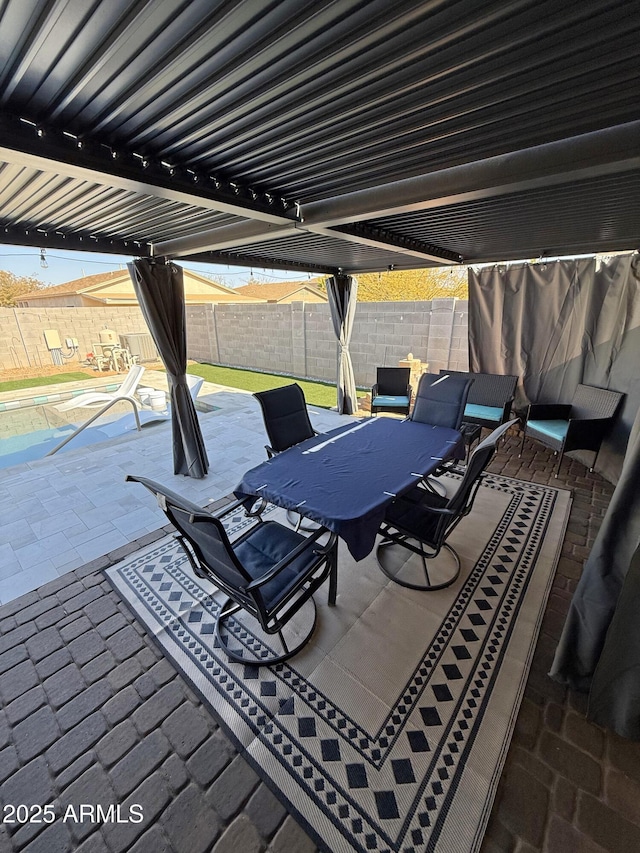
(345,479)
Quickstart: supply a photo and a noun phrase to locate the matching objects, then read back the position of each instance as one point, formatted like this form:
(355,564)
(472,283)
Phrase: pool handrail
(107,406)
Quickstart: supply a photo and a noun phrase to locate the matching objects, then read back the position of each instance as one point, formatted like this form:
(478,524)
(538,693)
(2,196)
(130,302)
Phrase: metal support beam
(259,261)
(28,145)
(43,239)
(227,237)
(590,155)
(382,238)
(602,152)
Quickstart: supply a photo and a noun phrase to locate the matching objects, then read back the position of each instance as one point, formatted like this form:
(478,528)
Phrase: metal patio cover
(329,136)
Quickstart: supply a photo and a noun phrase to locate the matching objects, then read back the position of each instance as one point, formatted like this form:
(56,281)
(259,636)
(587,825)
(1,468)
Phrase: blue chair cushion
(488,413)
(557,430)
(266,546)
(385,400)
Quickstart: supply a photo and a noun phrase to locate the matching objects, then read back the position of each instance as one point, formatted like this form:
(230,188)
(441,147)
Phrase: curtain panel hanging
(160,291)
(559,324)
(342,291)
(556,325)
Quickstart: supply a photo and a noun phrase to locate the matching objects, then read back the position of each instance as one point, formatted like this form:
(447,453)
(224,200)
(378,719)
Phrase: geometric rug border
(342,766)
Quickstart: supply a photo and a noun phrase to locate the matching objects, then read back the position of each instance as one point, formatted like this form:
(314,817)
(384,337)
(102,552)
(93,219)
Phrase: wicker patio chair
(579,425)
(392,391)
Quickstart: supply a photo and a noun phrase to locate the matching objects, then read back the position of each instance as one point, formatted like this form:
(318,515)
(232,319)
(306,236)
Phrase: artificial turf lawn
(316,393)
(37,381)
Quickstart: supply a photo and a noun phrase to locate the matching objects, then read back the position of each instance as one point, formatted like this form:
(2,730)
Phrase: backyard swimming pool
(29,433)
(29,429)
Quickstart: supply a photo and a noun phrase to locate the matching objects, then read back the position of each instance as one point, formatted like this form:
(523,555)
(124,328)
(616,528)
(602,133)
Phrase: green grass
(316,393)
(37,381)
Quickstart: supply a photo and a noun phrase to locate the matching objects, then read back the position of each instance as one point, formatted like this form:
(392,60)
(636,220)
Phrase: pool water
(29,433)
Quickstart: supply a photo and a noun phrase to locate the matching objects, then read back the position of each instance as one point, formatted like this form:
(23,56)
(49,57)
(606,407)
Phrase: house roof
(277,291)
(341,134)
(116,288)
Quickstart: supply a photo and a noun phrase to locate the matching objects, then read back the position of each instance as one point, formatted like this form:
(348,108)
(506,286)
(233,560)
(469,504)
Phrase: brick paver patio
(92,713)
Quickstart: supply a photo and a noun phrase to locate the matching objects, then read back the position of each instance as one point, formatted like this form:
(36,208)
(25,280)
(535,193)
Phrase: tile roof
(279,290)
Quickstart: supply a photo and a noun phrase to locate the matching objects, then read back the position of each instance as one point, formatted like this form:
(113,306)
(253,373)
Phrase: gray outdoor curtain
(558,324)
(160,291)
(599,649)
(342,291)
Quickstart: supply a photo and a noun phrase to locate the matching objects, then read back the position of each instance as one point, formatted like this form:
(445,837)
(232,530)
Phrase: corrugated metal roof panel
(277,102)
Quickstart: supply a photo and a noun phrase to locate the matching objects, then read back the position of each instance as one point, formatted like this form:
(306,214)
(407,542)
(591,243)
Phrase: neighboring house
(285,291)
(115,288)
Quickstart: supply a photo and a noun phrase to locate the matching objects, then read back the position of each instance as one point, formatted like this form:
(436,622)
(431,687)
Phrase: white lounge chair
(94,399)
(149,416)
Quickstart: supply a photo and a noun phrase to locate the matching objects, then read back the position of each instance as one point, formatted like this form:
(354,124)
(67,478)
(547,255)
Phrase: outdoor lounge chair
(417,525)
(392,391)
(94,399)
(579,425)
(149,416)
(269,573)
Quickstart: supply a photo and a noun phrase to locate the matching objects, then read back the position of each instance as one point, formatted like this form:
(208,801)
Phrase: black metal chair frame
(589,417)
(430,395)
(292,398)
(436,392)
(392,382)
(197,529)
(271,403)
(407,520)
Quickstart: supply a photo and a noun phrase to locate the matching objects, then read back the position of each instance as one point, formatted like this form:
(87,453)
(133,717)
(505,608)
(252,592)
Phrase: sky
(62,266)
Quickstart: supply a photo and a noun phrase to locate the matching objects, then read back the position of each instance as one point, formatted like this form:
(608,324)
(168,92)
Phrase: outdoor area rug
(389,731)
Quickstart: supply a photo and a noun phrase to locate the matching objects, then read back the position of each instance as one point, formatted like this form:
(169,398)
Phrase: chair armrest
(293,555)
(253,510)
(585,430)
(506,409)
(374,391)
(548,411)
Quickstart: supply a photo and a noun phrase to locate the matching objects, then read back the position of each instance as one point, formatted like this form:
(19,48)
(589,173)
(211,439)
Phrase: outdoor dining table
(345,479)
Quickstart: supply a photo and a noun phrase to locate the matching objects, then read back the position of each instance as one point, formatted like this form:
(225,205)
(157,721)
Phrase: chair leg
(391,564)
(524,435)
(425,567)
(333,577)
(255,648)
(309,526)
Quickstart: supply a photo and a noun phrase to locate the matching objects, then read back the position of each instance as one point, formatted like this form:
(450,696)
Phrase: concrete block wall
(298,338)
(295,339)
(22,342)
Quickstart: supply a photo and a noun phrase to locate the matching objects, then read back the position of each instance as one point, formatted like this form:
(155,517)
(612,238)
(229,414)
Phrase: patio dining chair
(441,400)
(267,576)
(417,525)
(579,425)
(392,391)
(286,420)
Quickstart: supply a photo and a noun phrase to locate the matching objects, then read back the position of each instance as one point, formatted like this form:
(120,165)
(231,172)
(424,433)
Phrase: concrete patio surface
(92,713)
(57,514)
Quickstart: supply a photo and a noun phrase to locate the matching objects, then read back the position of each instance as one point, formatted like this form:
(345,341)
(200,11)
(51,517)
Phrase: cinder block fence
(295,339)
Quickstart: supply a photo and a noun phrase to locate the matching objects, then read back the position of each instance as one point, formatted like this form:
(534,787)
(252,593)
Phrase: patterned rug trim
(409,782)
